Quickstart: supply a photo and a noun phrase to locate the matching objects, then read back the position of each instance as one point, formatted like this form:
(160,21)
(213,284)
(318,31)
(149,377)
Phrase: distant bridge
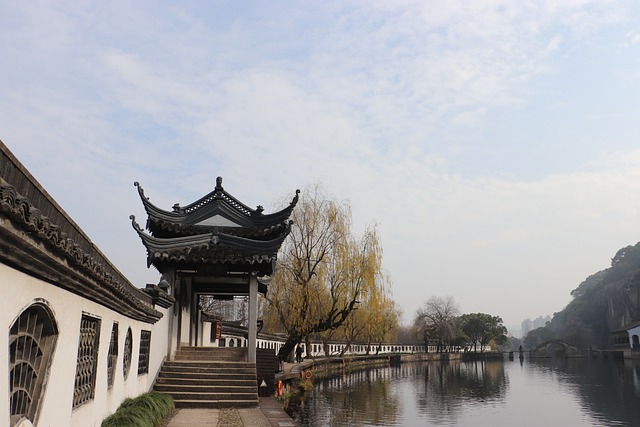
(557,348)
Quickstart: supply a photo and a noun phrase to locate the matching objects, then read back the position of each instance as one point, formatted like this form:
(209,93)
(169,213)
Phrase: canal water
(519,393)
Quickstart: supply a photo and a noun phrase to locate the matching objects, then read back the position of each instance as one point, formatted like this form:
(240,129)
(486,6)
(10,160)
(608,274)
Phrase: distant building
(541,322)
(529,325)
(626,340)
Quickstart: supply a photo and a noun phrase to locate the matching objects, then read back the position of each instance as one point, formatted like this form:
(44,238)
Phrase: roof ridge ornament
(140,190)
(219,184)
(295,198)
(135,224)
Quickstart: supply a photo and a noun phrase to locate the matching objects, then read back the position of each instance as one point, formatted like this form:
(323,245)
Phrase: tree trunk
(307,345)
(286,351)
(346,347)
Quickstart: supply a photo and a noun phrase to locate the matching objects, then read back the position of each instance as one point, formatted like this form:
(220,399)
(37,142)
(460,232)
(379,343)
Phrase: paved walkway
(269,413)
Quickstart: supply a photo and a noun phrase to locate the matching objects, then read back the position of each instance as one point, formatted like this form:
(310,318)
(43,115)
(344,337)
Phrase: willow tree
(376,319)
(323,270)
(382,322)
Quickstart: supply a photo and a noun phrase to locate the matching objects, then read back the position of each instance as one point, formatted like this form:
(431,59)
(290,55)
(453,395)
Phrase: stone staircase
(209,377)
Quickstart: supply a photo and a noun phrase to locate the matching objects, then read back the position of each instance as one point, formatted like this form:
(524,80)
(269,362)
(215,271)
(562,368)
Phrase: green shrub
(146,410)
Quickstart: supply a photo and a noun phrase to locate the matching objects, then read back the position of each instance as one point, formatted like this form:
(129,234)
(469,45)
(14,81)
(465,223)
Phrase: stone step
(209,377)
(168,376)
(211,369)
(204,372)
(175,389)
(230,403)
(215,349)
(208,358)
(212,353)
(194,395)
(210,364)
(242,382)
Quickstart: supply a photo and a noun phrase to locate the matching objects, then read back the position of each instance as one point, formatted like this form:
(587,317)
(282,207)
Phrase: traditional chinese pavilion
(215,246)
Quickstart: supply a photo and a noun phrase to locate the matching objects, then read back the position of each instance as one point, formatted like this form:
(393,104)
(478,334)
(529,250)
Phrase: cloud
(487,235)
(403,107)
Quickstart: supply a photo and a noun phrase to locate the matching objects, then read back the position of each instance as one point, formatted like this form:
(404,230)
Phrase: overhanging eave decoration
(216,230)
(218,210)
(212,248)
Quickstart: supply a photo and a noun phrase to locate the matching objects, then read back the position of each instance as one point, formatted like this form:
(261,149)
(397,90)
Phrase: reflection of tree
(447,385)
(374,397)
(609,390)
(357,398)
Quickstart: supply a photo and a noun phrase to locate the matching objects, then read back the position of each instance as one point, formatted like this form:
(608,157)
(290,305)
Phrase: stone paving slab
(272,409)
(268,414)
(253,417)
(196,417)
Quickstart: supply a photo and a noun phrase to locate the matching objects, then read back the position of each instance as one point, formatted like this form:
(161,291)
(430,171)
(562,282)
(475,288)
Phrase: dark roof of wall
(632,324)
(40,239)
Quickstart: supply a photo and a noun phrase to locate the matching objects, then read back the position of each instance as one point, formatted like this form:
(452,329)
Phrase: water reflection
(448,387)
(568,392)
(609,391)
(366,397)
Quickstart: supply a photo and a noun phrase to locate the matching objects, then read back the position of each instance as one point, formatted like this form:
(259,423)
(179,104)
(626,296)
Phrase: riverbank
(288,381)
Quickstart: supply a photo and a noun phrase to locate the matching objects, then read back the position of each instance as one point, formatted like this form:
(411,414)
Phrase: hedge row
(147,410)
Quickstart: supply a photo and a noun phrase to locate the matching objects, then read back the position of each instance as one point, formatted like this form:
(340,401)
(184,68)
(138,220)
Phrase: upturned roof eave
(190,248)
(157,227)
(218,201)
(154,211)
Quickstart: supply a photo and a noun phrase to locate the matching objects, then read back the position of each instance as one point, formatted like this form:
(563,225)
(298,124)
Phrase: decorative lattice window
(143,355)
(84,388)
(126,359)
(112,356)
(32,339)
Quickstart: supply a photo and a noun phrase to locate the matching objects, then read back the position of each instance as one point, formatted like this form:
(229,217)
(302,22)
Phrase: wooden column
(169,278)
(253,317)
(185,312)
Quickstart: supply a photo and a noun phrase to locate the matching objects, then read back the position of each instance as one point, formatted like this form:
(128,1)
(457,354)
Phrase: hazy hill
(605,301)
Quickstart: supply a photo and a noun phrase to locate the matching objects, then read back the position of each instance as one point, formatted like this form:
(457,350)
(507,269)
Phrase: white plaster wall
(159,346)
(17,292)
(206,335)
(632,332)
(173,330)
(185,312)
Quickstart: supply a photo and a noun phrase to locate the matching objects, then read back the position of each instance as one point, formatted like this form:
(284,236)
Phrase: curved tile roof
(216,210)
(211,248)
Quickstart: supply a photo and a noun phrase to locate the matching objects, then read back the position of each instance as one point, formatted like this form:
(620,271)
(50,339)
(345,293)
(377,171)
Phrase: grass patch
(147,410)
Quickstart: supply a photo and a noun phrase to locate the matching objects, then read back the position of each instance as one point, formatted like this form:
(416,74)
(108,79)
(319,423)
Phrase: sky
(493,143)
